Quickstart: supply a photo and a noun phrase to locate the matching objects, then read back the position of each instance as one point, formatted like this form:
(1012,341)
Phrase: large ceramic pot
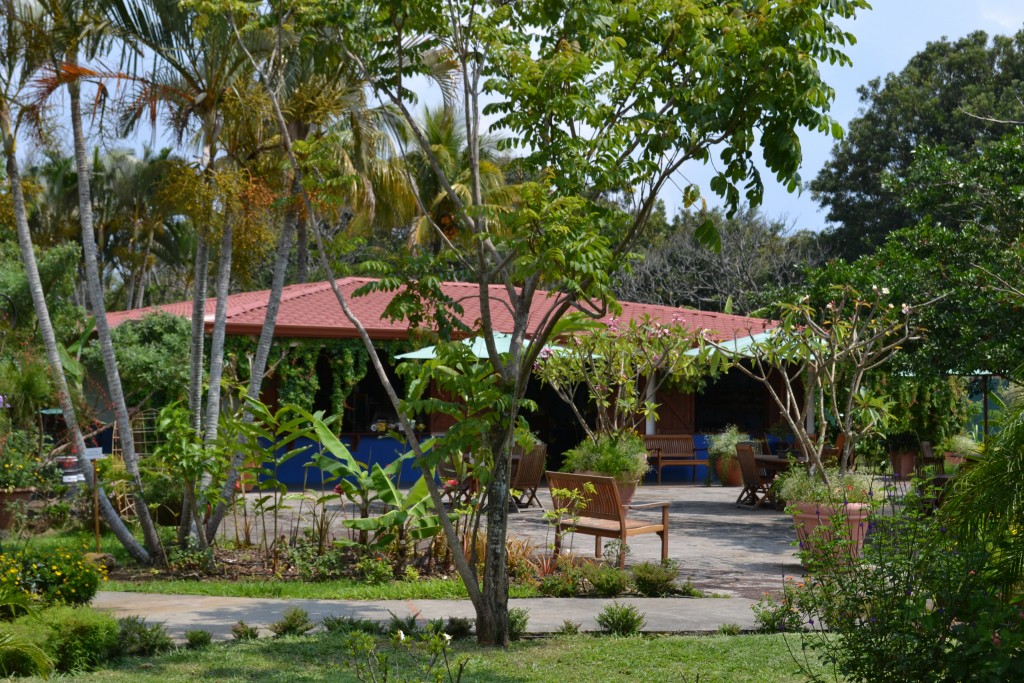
(813,522)
(9,499)
(728,471)
(902,464)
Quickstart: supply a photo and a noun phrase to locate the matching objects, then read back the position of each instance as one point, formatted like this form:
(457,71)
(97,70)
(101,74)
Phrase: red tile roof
(312,311)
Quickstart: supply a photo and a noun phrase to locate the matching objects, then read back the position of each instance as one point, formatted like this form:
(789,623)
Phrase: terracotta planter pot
(728,475)
(626,491)
(902,464)
(8,499)
(954,459)
(813,522)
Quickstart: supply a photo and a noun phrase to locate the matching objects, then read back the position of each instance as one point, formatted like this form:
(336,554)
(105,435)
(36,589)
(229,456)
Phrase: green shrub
(621,620)
(569,628)
(656,580)
(608,582)
(294,622)
(244,632)
(518,619)
(729,629)
(80,638)
(343,625)
(406,625)
(22,642)
(198,639)
(57,576)
(139,639)
(459,628)
(782,615)
(375,570)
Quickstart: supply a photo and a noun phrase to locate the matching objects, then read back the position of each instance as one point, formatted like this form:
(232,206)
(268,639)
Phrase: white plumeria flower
(447,638)
(401,636)
(885,290)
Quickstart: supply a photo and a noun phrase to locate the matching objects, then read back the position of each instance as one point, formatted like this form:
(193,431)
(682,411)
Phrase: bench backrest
(602,503)
(671,444)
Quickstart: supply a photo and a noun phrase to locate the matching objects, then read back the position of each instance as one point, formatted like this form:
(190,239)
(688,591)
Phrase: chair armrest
(642,506)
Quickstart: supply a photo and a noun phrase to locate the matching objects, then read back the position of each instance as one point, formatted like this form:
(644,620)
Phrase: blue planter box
(370,450)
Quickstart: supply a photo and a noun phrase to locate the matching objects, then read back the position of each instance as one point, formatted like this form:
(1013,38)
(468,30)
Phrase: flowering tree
(621,365)
(829,351)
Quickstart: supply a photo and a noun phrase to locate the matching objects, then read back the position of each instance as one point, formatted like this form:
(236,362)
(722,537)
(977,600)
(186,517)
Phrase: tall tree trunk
(110,516)
(195,370)
(94,289)
(216,366)
(301,250)
(492,612)
(259,364)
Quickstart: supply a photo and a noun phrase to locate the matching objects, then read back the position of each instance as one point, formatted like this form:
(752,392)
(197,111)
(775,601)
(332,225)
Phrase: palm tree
(445,132)
(199,63)
(76,29)
(22,53)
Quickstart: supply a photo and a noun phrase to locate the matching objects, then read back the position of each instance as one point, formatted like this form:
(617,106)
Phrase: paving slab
(180,613)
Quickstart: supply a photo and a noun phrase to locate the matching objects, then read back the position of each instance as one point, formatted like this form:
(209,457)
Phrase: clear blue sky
(887,37)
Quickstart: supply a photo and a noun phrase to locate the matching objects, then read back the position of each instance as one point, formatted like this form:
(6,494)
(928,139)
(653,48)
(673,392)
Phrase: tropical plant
(827,354)
(799,484)
(722,446)
(621,365)
(622,455)
(27,656)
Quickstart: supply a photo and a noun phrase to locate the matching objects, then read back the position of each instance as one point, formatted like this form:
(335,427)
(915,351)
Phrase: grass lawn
(344,589)
(733,659)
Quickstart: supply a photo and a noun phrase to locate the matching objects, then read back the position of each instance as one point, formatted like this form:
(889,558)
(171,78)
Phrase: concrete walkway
(723,550)
(180,613)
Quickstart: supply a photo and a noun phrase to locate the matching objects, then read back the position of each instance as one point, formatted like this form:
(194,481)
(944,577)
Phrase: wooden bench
(601,513)
(665,450)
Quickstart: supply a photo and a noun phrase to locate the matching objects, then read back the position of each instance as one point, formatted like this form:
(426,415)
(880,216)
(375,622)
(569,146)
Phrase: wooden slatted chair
(755,488)
(666,450)
(601,513)
(527,475)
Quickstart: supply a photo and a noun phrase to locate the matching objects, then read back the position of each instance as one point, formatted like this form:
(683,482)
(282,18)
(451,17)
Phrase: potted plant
(902,454)
(19,473)
(830,509)
(959,447)
(621,455)
(722,455)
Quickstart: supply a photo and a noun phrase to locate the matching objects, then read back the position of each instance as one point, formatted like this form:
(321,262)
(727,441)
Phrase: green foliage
(152,358)
(722,446)
(294,622)
(406,625)
(342,625)
(614,362)
(568,628)
(621,455)
(58,269)
(459,628)
(21,651)
(621,620)
(930,103)
(799,484)
(244,632)
(22,462)
(375,570)
(428,655)
(80,638)
(607,581)
(198,639)
(929,409)
(729,629)
(918,605)
(960,274)
(986,499)
(783,614)
(139,639)
(518,621)
(656,580)
(54,575)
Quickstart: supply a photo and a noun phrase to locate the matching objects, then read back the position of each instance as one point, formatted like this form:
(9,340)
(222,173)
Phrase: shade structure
(477,345)
(740,346)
